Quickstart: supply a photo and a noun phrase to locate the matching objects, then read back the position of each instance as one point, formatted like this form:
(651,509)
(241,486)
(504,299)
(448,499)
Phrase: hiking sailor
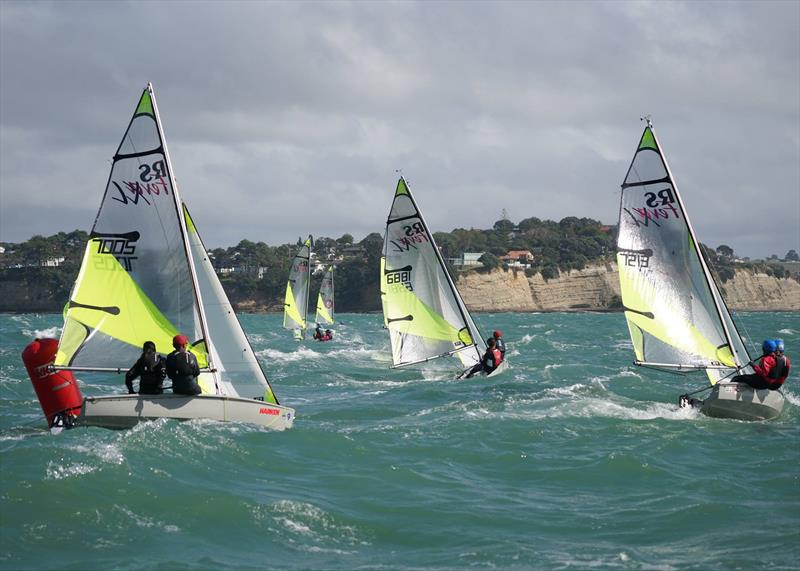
(182,368)
(150,369)
(490,361)
(772,372)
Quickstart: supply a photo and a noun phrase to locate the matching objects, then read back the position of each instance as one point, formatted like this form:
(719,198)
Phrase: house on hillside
(467,260)
(517,259)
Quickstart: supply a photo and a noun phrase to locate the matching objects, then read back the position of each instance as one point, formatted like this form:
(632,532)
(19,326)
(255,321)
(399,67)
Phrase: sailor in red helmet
(499,343)
(774,368)
(182,368)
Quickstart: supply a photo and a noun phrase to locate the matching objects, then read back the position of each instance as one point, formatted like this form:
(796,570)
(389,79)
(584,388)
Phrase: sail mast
(706,272)
(459,302)
(184,234)
(308,281)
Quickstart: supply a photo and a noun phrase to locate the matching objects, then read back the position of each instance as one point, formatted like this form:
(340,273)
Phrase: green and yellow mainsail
(138,280)
(422,308)
(325,302)
(295,303)
(676,316)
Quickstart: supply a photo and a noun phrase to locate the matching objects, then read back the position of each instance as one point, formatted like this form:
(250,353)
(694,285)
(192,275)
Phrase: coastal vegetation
(36,275)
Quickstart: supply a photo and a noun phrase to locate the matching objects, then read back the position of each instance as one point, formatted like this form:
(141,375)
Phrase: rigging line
(737,323)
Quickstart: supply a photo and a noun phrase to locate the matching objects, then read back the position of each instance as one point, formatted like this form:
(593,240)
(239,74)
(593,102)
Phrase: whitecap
(58,471)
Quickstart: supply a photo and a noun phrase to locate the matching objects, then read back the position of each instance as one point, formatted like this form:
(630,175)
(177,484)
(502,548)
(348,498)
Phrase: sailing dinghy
(677,318)
(146,276)
(422,309)
(295,307)
(325,304)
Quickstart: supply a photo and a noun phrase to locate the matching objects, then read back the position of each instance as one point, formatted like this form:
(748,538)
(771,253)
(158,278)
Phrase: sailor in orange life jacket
(501,345)
(491,359)
(772,372)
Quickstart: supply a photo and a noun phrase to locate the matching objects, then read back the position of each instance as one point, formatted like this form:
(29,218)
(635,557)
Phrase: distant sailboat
(677,318)
(325,301)
(146,276)
(297,289)
(422,308)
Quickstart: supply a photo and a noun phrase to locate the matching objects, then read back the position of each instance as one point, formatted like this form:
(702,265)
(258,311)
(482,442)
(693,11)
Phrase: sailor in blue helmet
(773,370)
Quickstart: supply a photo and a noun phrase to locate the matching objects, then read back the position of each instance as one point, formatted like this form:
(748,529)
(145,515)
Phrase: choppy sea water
(570,460)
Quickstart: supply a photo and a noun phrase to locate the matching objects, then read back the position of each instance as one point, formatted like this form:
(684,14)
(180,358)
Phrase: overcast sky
(285,119)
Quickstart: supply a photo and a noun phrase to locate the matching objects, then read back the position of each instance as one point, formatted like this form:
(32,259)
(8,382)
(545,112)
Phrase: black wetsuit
(151,376)
(183,369)
(488,363)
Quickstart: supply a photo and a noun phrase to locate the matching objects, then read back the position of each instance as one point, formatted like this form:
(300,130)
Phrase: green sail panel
(108,313)
(670,304)
(297,288)
(325,299)
(423,310)
(136,260)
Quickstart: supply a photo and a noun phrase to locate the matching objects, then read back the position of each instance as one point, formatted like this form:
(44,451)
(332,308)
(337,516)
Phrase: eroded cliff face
(759,292)
(597,288)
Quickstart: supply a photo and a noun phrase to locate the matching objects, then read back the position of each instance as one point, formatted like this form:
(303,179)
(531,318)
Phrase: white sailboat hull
(125,411)
(500,368)
(742,402)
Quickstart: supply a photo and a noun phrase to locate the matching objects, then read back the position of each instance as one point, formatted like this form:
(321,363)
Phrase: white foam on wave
(108,453)
(787,331)
(304,353)
(144,521)
(310,526)
(791,397)
(51,332)
(58,471)
(527,338)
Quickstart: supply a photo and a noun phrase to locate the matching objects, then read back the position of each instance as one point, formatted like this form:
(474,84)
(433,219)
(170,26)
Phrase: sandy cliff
(597,288)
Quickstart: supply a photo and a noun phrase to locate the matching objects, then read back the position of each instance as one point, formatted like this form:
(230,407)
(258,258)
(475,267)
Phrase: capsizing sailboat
(676,316)
(422,308)
(295,307)
(146,276)
(325,300)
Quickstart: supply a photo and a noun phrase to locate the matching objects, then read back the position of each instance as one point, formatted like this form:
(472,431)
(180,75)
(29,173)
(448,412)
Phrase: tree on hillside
(725,251)
(792,256)
(504,226)
(489,261)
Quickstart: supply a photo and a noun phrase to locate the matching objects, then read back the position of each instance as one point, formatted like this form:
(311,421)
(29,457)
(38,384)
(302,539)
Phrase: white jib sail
(238,371)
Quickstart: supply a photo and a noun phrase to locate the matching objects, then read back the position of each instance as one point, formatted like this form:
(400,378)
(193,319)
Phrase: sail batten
(422,308)
(673,307)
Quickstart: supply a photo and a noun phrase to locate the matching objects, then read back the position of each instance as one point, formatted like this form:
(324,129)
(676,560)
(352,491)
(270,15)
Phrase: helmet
(779,345)
(180,340)
(768,346)
(497,333)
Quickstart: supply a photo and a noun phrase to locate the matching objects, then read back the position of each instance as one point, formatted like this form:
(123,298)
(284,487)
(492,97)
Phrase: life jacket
(495,358)
(778,371)
(151,378)
(183,363)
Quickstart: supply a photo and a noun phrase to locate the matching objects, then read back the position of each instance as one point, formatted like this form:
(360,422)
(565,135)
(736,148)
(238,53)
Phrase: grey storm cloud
(285,119)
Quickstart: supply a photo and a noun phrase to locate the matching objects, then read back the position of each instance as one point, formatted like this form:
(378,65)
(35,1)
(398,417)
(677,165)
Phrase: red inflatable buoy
(58,391)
